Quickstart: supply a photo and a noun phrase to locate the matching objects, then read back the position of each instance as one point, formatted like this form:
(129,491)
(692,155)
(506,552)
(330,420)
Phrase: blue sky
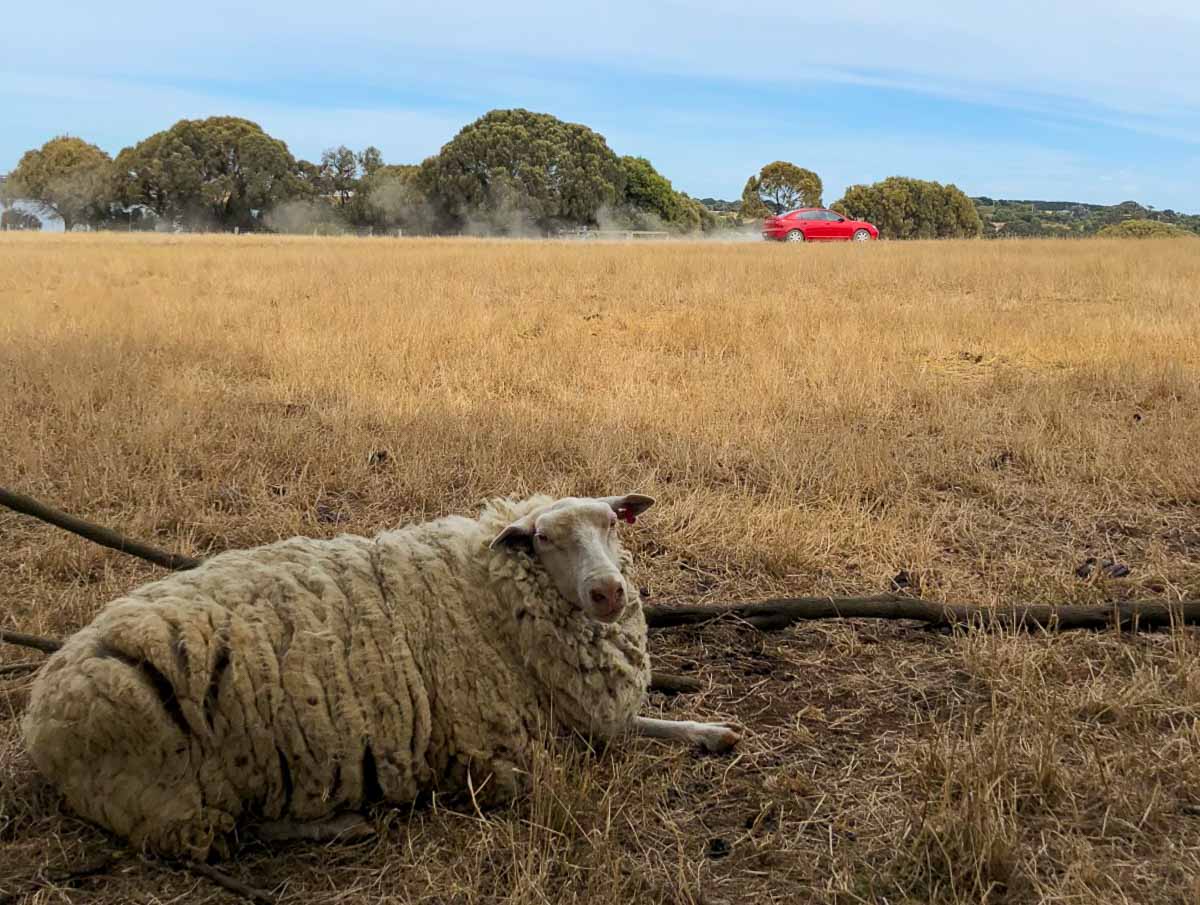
(1059,99)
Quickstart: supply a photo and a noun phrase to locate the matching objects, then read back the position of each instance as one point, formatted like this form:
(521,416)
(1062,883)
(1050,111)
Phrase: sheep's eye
(541,538)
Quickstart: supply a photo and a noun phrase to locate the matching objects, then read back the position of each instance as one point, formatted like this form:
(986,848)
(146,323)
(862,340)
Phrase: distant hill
(719,206)
(1068,218)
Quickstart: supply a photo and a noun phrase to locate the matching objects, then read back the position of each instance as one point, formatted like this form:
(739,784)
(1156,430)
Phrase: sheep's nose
(608,598)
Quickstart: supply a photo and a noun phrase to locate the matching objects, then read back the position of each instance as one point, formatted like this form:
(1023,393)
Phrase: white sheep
(293,684)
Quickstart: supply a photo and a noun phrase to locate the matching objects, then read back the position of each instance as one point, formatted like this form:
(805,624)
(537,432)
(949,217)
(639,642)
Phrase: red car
(816,224)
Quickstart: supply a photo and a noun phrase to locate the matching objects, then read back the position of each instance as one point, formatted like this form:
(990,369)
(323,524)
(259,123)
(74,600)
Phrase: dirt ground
(970,421)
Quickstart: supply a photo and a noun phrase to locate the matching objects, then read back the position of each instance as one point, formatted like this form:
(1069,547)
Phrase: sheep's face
(575,540)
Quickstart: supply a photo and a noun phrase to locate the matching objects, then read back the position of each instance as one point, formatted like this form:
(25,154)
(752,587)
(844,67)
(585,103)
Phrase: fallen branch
(770,615)
(665,683)
(95,533)
(45,645)
(18,669)
(60,878)
(224,880)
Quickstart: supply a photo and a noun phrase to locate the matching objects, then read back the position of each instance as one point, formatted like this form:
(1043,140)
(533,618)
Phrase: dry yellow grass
(982,416)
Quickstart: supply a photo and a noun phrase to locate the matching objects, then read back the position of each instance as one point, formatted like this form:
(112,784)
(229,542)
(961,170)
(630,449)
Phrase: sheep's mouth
(609,616)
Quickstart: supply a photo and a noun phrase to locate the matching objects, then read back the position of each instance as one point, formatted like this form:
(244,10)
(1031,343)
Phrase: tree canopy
(651,201)
(787,186)
(16,218)
(512,165)
(509,171)
(905,208)
(216,171)
(1144,229)
(66,175)
(752,206)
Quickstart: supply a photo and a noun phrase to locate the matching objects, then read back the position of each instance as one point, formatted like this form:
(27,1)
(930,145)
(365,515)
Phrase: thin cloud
(1107,85)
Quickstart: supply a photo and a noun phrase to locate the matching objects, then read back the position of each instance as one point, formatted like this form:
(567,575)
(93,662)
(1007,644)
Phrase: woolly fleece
(306,677)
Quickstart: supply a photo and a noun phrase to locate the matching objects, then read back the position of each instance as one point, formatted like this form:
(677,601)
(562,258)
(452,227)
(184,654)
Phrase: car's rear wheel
(861,235)
(794,235)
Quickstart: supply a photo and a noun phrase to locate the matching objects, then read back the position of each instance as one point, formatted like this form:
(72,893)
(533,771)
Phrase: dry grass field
(982,417)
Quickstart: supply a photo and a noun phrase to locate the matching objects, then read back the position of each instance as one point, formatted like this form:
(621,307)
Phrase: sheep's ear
(630,506)
(518,535)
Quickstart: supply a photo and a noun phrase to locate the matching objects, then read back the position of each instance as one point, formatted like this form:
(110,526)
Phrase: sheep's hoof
(349,827)
(718,737)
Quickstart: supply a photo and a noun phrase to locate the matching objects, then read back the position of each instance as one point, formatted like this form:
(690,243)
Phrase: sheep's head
(575,540)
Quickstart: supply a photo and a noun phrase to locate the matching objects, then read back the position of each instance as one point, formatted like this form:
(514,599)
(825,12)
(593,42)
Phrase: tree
(18,219)
(66,175)
(394,199)
(752,204)
(697,212)
(648,192)
(338,174)
(1144,229)
(905,208)
(370,159)
(788,186)
(221,171)
(530,167)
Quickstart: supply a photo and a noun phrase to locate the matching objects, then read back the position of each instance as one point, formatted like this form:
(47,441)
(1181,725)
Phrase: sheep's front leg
(347,827)
(713,737)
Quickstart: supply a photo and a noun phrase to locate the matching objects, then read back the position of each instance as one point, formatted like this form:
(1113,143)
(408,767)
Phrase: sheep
(294,685)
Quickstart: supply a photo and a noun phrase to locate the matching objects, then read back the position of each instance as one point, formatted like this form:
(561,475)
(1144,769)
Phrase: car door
(819,226)
(839,226)
(806,221)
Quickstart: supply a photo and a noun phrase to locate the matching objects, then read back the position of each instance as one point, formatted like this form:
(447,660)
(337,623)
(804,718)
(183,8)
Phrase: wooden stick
(234,885)
(45,645)
(19,669)
(780,613)
(95,533)
(668,684)
(767,615)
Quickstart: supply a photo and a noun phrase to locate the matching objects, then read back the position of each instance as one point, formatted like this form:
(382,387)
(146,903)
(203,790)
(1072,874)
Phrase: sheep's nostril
(619,593)
(599,596)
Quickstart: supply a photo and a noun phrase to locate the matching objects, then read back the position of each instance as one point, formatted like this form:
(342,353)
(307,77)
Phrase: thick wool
(303,678)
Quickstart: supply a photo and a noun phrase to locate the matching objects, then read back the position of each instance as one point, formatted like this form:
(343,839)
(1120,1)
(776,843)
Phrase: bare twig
(103,536)
(777,614)
(669,684)
(19,669)
(224,880)
(100,866)
(60,878)
(45,645)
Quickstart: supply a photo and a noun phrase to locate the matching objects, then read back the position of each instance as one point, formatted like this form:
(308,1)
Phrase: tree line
(508,172)
(511,171)
(1032,219)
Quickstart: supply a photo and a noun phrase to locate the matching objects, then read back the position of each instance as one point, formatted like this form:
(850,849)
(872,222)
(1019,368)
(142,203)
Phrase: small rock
(1108,568)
